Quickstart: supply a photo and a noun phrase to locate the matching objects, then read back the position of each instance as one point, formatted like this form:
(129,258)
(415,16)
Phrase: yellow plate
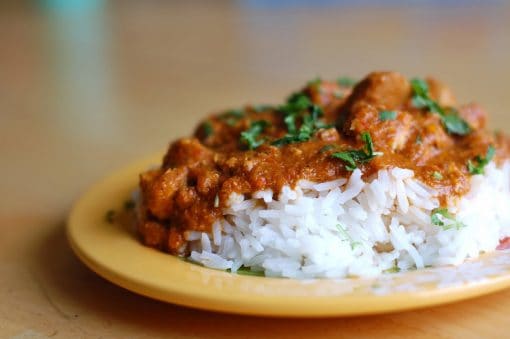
(115,253)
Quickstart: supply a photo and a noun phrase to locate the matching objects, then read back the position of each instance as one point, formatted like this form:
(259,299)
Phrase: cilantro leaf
(243,270)
(387,115)
(437,175)
(326,148)
(347,237)
(315,82)
(208,128)
(450,118)
(418,140)
(394,269)
(296,102)
(455,124)
(443,218)
(110,216)
(261,108)
(232,117)
(250,136)
(420,87)
(346,81)
(481,162)
(351,158)
(299,107)
(129,205)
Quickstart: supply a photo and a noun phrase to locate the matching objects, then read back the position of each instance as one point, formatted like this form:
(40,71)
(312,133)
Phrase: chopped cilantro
(352,157)
(208,128)
(297,103)
(481,162)
(442,218)
(243,270)
(346,81)
(129,205)
(326,148)
(232,117)
(437,175)
(394,269)
(315,82)
(454,123)
(338,95)
(239,113)
(251,135)
(347,237)
(450,118)
(110,216)
(300,107)
(261,108)
(418,140)
(387,115)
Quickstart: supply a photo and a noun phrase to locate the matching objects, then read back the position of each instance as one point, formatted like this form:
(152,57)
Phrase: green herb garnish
(110,216)
(243,270)
(300,107)
(208,128)
(353,157)
(326,148)
(418,140)
(346,81)
(232,117)
(315,82)
(387,115)
(481,162)
(296,104)
(437,175)
(440,215)
(129,205)
(251,135)
(394,269)
(261,108)
(450,118)
(347,237)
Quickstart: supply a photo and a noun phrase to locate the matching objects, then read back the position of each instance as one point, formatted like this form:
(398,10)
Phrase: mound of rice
(353,227)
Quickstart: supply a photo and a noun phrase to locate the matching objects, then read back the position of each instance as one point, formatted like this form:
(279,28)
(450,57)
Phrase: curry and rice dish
(342,179)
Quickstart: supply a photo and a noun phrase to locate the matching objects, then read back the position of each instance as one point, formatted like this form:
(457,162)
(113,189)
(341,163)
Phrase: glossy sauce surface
(199,173)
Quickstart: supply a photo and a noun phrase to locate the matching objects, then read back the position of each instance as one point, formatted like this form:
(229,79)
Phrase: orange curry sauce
(200,172)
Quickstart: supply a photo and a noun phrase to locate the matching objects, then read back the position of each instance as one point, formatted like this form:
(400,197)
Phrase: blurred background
(89,85)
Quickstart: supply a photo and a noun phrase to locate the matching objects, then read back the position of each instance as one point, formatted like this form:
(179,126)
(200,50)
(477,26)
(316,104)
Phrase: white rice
(332,229)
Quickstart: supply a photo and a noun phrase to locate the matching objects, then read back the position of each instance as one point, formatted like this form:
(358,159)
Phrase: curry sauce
(321,133)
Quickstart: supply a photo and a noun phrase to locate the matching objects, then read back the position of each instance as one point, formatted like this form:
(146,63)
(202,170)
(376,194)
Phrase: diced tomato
(504,244)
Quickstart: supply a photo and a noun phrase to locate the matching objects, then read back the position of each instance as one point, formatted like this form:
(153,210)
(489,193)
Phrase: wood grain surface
(85,90)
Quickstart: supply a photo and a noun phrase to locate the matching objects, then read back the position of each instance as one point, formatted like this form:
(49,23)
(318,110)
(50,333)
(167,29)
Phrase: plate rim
(343,305)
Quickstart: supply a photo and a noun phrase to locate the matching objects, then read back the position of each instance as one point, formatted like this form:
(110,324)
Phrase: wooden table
(88,89)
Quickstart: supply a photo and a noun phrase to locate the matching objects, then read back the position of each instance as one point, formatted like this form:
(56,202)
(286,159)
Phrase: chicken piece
(383,91)
(187,152)
(392,133)
(429,140)
(159,188)
(206,180)
(154,234)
